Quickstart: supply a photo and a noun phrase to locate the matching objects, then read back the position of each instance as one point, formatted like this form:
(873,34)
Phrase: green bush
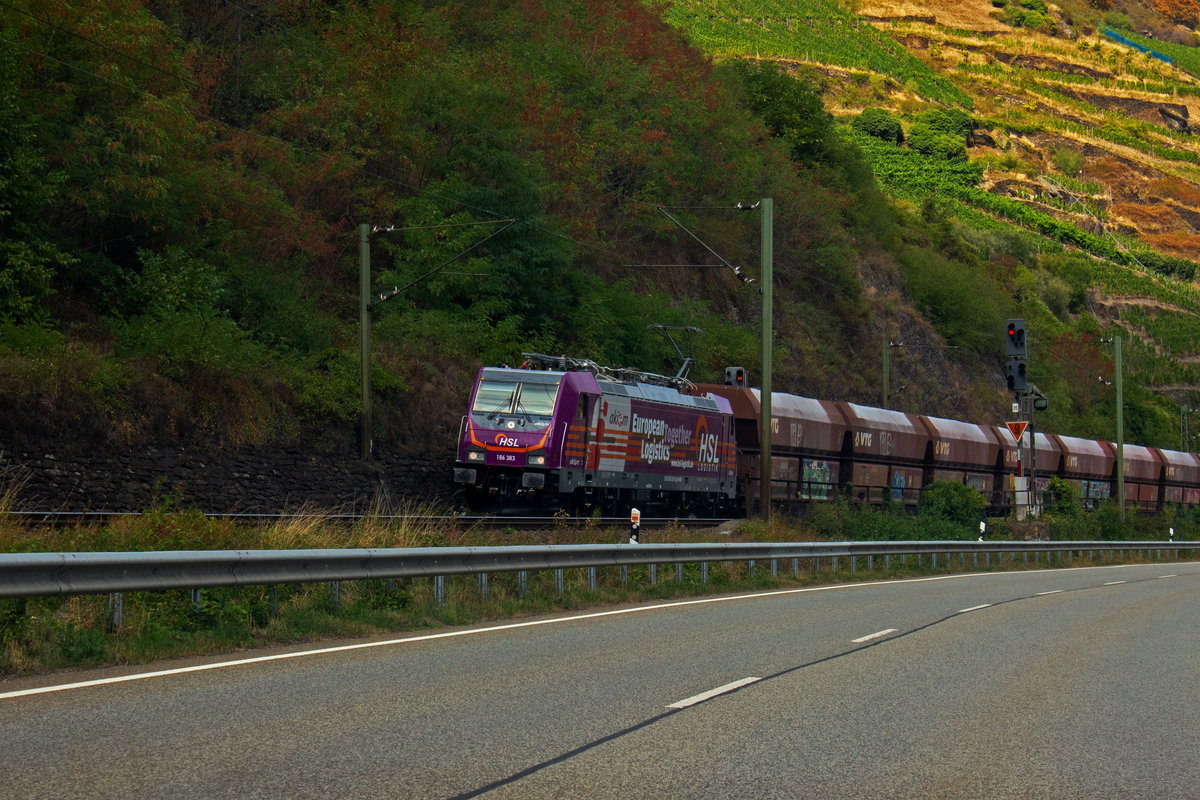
(951,121)
(935,144)
(953,502)
(1062,498)
(879,123)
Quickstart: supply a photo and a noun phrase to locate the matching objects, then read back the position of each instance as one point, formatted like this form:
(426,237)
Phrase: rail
(460,520)
(59,574)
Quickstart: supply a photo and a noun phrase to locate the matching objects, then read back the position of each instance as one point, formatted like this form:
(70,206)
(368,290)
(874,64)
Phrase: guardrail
(52,574)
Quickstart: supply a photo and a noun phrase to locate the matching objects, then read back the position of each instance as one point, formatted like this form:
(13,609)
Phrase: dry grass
(973,15)
(1175,243)
(1159,218)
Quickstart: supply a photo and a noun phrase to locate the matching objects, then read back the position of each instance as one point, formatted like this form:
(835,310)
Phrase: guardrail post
(835,558)
(439,589)
(750,567)
(523,582)
(591,579)
(558,581)
(887,562)
(854,563)
(774,568)
(196,599)
(934,560)
(796,567)
(116,609)
(653,574)
(624,574)
(870,563)
(483,585)
(987,560)
(335,593)
(679,572)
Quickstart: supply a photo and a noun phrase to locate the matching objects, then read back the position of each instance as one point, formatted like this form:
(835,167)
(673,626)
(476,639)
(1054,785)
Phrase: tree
(790,109)
(29,258)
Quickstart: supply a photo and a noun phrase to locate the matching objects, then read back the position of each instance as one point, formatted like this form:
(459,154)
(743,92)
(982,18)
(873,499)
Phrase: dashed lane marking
(711,693)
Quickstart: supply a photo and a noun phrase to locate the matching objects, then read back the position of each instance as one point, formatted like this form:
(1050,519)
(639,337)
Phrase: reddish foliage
(1182,12)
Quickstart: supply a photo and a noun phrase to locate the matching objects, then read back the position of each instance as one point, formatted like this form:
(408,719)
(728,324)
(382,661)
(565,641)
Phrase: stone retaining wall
(262,480)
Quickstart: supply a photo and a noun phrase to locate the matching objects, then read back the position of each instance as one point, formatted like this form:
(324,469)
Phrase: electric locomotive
(566,432)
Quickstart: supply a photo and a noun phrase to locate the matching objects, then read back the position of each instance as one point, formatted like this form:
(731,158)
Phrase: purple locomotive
(567,432)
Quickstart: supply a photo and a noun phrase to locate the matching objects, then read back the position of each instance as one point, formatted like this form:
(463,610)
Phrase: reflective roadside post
(635,521)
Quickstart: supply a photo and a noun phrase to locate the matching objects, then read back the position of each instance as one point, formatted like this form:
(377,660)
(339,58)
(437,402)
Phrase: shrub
(950,121)
(1062,498)
(932,143)
(953,502)
(879,123)
(1068,161)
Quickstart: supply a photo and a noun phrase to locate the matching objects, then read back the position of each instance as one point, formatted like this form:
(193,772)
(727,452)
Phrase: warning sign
(1017,429)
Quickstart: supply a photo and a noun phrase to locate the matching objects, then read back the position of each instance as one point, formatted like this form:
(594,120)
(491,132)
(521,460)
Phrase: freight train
(568,433)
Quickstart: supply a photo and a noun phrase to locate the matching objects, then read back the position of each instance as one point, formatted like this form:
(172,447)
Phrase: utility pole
(887,346)
(1120,429)
(364,337)
(766,211)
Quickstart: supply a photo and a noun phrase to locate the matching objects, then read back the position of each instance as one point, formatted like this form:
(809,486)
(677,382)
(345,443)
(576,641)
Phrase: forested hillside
(182,181)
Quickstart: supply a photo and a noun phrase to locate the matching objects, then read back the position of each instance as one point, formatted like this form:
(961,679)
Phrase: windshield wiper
(506,403)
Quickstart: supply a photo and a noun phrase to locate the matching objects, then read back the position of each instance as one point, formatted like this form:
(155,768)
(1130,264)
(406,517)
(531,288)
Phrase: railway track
(64,518)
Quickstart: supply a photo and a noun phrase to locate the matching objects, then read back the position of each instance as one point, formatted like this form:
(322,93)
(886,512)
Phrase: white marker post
(635,521)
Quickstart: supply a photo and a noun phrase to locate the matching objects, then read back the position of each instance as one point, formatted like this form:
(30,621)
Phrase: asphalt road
(1051,684)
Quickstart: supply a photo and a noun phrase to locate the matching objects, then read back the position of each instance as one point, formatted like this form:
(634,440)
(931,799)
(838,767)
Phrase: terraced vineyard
(1082,143)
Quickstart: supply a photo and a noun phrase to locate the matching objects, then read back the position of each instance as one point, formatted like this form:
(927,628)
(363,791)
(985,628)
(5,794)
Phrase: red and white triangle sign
(1017,429)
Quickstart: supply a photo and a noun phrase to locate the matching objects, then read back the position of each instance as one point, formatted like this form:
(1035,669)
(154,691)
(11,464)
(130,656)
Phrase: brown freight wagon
(886,459)
(1089,466)
(1181,477)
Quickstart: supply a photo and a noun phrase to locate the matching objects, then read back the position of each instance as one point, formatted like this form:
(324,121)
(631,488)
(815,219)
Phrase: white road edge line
(974,608)
(711,693)
(1114,583)
(1052,591)
(870,636)
(1160,577)
(138,676)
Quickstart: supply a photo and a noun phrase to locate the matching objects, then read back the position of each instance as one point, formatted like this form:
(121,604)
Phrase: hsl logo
(505,441)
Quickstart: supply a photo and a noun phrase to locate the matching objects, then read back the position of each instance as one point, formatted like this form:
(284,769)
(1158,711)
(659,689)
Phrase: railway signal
(735,376)
(1014,369)
(1016,338)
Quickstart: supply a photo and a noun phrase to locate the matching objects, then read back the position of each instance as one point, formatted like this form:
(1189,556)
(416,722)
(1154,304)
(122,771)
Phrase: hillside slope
(182,184)
(1078,141)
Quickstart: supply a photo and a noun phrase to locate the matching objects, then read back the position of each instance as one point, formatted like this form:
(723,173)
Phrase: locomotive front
(505,448)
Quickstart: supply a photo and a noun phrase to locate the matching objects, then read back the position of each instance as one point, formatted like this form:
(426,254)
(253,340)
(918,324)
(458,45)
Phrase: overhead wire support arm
(742,276)
(383,298)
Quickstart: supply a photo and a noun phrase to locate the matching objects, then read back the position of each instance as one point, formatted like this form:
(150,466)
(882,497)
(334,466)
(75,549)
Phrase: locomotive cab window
(507,395)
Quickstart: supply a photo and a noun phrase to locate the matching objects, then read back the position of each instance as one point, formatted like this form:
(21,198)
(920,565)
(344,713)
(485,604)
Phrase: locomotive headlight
(536,459)
(475,455)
